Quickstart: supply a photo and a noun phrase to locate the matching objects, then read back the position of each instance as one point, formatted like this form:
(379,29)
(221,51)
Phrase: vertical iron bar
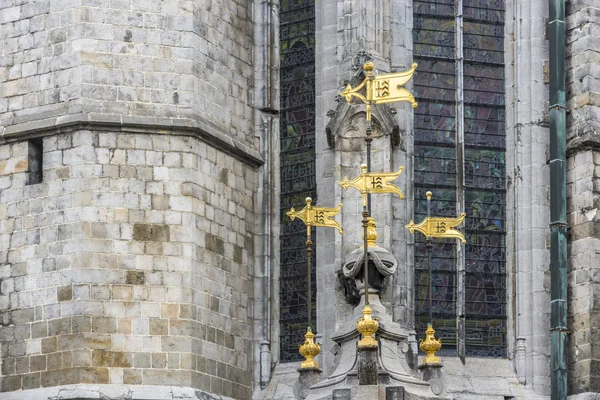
(558,200)
(368,141)
(429,269)
(366,253)
(367,206)
(309,263)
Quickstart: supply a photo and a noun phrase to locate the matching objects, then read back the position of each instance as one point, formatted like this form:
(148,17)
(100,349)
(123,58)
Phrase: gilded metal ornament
(430,345)
(316,216)
(371,233)
(440,227)
(373,182)
(367,326)
(309,350)
(385,88)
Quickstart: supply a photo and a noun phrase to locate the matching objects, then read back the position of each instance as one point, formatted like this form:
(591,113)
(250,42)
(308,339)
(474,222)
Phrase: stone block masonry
(128,264)
(171,59)
(583,193)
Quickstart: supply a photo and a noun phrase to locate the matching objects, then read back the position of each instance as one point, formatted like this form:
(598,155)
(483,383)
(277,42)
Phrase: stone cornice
(589,138)
(204,130)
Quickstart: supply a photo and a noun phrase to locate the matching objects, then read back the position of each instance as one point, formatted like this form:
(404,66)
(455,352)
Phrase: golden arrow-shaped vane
(316,216)
(373,182)
(440,227)
(386,88)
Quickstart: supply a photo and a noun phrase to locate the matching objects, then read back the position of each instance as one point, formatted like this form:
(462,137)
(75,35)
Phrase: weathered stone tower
(131,196)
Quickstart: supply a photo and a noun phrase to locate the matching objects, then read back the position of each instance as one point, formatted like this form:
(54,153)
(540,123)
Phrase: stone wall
(583,192)
(583,186)
(172,59)
(129,264)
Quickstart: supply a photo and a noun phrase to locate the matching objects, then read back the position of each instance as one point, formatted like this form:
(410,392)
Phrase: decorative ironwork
(484,163)
(373,182)
(380,89)
(316,216)
(439,227)
(297,161)
(312,216)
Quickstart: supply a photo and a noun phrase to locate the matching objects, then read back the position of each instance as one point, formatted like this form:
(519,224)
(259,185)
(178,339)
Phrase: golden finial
(371,233)
(430,345)
(309,350)
(428,195)
(367,326)
(369,66)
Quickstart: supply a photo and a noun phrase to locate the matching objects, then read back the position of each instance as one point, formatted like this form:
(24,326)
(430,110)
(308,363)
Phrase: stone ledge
(116,392)
(583,136)
(210,133)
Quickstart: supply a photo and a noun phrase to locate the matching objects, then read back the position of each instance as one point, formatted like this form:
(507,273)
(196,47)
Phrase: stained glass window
(297,52)
(484,165)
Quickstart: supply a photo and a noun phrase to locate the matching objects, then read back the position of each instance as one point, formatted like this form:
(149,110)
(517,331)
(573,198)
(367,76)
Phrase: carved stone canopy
(344,119)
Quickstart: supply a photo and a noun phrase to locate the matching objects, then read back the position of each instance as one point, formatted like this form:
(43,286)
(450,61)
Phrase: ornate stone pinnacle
(367,326)
(430,345)
(309,350)
(371,233)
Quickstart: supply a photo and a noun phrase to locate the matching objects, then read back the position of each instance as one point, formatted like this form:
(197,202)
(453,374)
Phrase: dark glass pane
(297,166)
(435,165)
(435,81)
(435,123)
(484,10)
(439,8)
(434,37)
(484,168)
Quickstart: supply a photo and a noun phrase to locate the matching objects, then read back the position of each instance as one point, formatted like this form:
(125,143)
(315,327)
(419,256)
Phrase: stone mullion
(460,180)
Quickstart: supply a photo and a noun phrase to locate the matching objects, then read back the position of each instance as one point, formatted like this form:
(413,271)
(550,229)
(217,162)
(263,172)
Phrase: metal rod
(367,207)
(558,201)
(366,253)
(368,141)
(309,264)
(429,252)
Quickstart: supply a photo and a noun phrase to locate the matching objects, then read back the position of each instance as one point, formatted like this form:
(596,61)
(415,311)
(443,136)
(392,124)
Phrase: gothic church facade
(150,149)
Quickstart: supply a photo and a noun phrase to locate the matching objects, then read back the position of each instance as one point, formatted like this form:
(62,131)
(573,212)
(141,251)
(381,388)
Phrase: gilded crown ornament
(367,326)
(309,350)
(430,345)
